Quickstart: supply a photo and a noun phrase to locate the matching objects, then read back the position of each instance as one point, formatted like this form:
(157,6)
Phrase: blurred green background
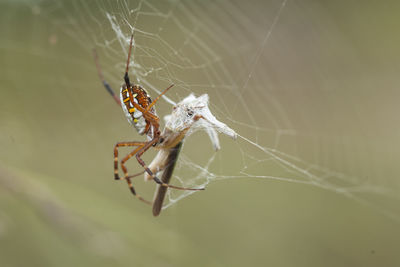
(316,80)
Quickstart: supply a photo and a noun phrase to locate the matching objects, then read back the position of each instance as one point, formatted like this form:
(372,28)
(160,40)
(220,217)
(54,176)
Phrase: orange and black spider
(140,112)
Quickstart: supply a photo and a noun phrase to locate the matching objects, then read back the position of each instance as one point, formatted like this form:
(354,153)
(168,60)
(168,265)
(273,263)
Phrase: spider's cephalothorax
(136,94)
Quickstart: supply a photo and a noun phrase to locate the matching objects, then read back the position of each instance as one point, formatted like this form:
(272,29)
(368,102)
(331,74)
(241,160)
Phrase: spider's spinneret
(135,117)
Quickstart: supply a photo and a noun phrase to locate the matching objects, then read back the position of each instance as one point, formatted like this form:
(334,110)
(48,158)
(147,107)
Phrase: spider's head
(192,114)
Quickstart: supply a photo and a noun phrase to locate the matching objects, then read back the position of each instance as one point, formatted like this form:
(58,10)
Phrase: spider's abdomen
(135,117)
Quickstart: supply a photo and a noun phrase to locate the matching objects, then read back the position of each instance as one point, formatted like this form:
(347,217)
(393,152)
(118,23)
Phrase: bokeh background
(312,87)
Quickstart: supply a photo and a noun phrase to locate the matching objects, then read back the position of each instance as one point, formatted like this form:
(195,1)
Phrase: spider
(140,111)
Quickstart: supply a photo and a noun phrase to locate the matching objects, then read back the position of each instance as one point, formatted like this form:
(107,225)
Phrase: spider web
(261,66)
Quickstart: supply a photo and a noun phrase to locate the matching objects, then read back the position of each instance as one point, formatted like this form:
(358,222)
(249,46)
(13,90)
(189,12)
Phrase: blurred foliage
(59,205)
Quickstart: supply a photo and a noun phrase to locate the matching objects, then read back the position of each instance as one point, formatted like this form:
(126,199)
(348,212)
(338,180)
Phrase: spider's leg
(158,97)
(153,119)
(158,181)
(126,77)
(150,116)
(127,157)
(136,174)
(128,178)
(105,83)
